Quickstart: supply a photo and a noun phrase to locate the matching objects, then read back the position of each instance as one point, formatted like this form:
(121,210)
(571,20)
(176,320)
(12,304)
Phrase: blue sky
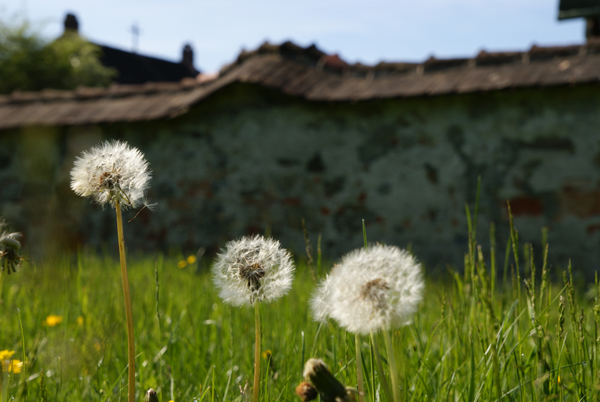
(368,31)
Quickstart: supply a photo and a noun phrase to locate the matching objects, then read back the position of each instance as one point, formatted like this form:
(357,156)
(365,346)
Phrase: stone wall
(251,160)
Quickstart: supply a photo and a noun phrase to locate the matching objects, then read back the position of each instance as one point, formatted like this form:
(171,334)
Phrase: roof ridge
(313,58)
(318,59)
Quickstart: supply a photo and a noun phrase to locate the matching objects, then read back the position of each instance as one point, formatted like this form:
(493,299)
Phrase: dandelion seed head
(251,269)
(375,289)
(9,247)
(8,239)
(320,306)
(111,172)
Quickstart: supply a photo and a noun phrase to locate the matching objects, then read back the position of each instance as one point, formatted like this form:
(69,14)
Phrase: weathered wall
(249,158)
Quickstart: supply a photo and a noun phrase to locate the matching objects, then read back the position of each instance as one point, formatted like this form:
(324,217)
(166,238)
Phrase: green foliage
(30,63)
(465,344)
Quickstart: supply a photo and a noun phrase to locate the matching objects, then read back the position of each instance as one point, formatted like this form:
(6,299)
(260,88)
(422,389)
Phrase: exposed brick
(526,206)
(582,204)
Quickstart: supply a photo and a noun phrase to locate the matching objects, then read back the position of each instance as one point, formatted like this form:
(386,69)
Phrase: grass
(477,336)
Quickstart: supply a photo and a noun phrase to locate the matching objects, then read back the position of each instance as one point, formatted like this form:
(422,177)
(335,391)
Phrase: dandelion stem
(392,365)
(384,383)
(256,352)
(1,283)
(359,375)
(128,312)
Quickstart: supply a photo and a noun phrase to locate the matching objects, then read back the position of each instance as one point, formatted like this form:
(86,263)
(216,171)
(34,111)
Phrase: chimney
(71,23)
(592,28)
(188,57)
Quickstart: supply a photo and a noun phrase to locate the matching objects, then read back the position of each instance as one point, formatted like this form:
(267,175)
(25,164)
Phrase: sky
(366,31)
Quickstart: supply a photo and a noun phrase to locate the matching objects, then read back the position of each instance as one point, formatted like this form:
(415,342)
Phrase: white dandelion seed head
(251,269)
(110,172)
(8,239)
(320,305)
(375,289)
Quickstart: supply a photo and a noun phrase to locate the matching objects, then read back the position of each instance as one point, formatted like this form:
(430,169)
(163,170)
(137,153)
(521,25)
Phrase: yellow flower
(14,366)
(80,321)
(191,259)
(6,354)
(53,320)
(266,354)
(182,264)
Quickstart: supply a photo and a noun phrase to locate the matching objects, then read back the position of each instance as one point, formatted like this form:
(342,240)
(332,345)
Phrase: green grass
(467,343)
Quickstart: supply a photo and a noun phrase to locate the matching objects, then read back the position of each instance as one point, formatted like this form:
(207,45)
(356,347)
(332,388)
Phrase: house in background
(286,133)
(134,68)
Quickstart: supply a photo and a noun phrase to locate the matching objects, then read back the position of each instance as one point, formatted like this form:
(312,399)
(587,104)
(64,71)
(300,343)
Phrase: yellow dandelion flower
(80,321)
(559,379)
(6,354)
(16,366)
(97,346)
(266,354)
(182,264)
(191,259)
(12,366)
(53,320)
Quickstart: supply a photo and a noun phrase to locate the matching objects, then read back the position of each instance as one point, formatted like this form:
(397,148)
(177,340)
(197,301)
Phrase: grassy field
(491,332)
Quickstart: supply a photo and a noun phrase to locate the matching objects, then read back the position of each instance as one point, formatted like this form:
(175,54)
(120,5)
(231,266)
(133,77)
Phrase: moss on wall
(249,159)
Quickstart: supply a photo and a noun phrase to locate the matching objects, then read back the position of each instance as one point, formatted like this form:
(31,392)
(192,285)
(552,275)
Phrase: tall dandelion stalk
(115,173)
(373,290)
(249,271)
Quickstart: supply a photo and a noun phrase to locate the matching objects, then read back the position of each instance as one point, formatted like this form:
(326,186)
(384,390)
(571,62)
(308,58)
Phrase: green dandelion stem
(384,383)
(256,352)
(359,374)
(392,365)
(128,311)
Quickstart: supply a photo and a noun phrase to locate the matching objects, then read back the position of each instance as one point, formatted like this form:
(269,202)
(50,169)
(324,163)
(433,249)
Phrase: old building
(286,133)
(135,68)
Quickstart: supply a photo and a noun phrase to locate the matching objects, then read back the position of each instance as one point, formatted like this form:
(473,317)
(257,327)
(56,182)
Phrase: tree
(28,62)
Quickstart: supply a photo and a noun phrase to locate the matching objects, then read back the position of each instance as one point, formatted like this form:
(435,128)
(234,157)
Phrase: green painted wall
(249,159)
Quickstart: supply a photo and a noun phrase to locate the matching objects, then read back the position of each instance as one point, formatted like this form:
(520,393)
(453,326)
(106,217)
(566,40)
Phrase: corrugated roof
(578,8)
(310,74)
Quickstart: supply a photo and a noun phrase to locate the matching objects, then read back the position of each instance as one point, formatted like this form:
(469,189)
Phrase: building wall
(249,160)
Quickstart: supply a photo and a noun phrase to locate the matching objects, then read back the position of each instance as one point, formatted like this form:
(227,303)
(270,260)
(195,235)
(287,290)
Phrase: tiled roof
(135,68)
(310,74)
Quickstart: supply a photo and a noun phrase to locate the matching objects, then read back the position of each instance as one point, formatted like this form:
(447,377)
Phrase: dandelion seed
(373,289)
(253,269)
(112,172)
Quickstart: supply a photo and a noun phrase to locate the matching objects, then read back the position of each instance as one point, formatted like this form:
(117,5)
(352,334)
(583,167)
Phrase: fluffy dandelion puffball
(8,239)
(253,269)
(375,289)
(320,305)
(9,248)
(111,172)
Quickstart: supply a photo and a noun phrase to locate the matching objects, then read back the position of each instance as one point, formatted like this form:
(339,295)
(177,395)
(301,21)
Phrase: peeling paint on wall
(249,160)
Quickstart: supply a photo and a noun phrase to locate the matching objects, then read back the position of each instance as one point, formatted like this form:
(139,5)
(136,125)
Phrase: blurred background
(359,32)
(257,117)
